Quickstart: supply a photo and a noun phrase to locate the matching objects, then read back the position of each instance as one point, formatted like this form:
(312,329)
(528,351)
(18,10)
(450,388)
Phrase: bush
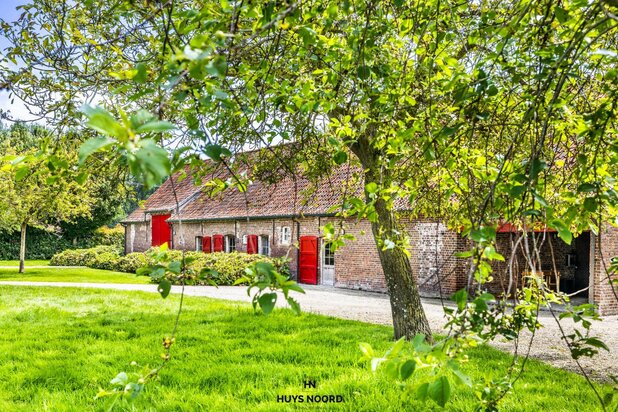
(131,262)
(81,257)
(229,266)
(105,261)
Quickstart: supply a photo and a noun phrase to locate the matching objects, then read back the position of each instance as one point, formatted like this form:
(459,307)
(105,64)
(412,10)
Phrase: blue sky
(9,13)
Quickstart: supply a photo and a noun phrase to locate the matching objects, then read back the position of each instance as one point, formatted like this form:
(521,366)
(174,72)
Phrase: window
(286,235)
(329,255)
(244,239)
(198,243)
(264,246)
(230,243)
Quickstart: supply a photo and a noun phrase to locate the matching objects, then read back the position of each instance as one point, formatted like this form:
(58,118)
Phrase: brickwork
(604,247)
(137,237)
(432,254)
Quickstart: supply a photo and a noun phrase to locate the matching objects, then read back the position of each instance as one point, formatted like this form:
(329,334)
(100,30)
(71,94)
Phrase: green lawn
(82,275)
(28,263)
(59,346)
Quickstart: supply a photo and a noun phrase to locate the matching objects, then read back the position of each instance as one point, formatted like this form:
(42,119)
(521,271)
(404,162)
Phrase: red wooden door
(217,241)
(252,244)
(161,231)
(206,244)
(308,260)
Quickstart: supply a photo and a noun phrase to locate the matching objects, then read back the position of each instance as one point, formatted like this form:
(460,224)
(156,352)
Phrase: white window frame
(286,235)
(226,244)
(198,243)
(261,245)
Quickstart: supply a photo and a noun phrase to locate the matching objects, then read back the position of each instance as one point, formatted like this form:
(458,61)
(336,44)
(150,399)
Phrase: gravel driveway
(375,308)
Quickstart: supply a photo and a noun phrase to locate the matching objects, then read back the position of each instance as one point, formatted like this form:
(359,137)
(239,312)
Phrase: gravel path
(375,308)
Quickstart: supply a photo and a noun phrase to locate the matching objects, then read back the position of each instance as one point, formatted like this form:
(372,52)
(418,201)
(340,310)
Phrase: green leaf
(21,173)
(461,298)
(175,267)
(586,188)
(81,178)
(216,152)
(294,305)
(590,204)
(267,302)
(157,126)
(563,230)
(367,350)
(422,392)
(439,390)
(120,379)
(164,287)
(93,145)
(103,122)
(363,72)
(407,369)
(340,157)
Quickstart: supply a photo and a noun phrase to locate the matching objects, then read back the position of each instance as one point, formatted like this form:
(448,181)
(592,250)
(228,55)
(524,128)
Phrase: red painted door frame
(308,260)
(161,231)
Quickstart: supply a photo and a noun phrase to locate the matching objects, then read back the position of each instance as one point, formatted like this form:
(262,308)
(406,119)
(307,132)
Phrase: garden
(62,346)
(494,122)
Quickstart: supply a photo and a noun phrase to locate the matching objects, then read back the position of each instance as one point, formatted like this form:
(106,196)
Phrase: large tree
(471,112)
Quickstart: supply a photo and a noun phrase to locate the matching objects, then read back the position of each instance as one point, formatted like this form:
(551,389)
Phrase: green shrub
(81,257)
(131,262)
(229,266)
(105,261)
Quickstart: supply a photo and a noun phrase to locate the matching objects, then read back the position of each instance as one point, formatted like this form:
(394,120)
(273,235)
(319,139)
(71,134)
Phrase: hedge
(41,244)
(230,266)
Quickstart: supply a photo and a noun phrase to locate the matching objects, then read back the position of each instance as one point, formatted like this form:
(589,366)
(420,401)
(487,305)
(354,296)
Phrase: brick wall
(137,237)
(357,264)
(604,247)
(432,254)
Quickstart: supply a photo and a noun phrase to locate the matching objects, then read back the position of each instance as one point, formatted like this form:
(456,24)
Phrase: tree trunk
(22,248)
(409,316)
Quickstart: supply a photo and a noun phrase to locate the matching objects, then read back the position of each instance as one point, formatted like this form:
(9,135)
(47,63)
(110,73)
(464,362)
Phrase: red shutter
(252,244)
(217,241)
(161,231)
(308,260)
(206,244)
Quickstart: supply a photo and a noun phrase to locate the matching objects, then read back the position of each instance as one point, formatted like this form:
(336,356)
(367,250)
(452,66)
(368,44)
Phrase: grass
(59,346)
(28,263)
(81,275)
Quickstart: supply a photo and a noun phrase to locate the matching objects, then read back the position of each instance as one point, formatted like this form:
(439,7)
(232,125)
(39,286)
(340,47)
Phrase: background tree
(39,188)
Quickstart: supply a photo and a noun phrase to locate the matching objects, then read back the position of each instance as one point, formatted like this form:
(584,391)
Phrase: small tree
(37,189)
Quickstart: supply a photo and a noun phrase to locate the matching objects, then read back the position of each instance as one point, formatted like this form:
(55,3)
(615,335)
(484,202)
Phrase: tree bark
(409,317)
(22,249)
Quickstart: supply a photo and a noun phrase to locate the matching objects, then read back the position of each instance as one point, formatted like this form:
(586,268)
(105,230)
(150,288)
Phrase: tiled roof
(287,197)
(163,199)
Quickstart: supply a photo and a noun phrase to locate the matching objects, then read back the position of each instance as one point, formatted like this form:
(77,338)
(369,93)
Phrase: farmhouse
(285,219)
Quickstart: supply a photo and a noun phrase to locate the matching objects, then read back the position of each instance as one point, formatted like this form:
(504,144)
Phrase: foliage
(480,113)
(43,244)
(205,268)
(267,280)
(82,257)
